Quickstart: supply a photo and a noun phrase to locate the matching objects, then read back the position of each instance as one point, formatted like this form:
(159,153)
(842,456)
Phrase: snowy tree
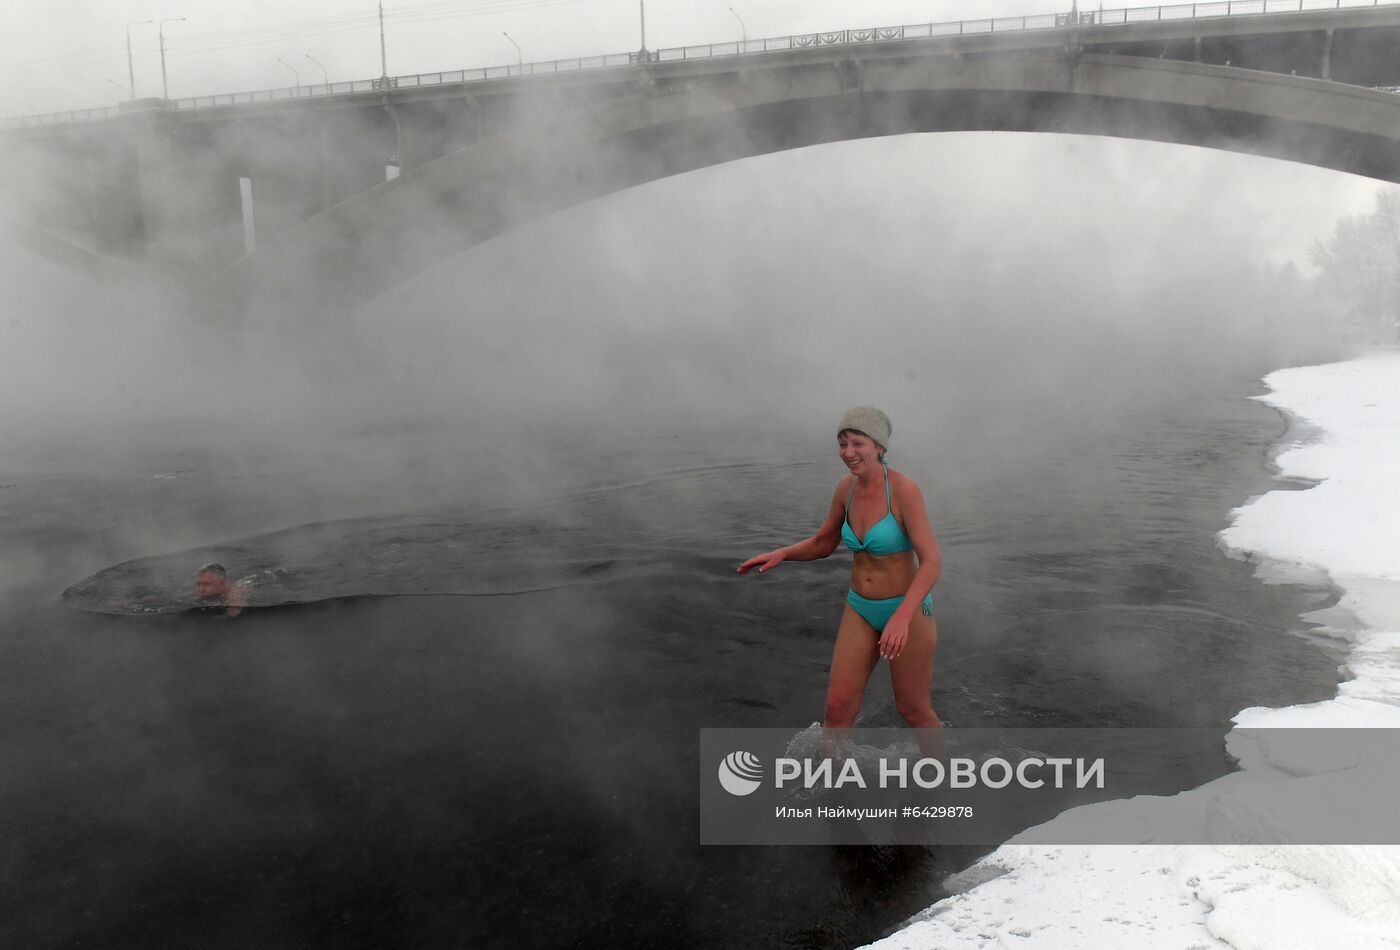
(1359,271)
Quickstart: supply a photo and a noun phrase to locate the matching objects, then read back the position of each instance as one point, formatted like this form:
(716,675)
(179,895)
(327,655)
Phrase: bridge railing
(443,78)
(1218,8)
(59,118)
(879,34)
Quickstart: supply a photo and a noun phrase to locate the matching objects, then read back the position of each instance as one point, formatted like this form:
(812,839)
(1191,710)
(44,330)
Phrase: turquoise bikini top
(884,536)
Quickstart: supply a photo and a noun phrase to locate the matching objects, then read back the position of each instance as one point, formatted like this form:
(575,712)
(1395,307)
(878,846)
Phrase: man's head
(211,582)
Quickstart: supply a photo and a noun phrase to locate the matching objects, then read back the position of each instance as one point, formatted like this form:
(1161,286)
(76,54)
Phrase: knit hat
(869,420)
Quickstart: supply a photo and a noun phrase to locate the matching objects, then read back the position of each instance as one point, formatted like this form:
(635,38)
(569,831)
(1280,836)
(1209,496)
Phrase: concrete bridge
(287,194)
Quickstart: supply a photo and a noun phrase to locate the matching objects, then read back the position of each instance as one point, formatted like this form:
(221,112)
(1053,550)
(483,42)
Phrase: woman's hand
(894,638)
(764,562)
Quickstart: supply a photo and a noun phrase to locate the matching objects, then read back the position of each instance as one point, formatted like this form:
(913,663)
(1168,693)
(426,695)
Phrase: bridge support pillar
(355,147)
(325,165)
(189,197)
(143,187)
(118,224)
(408,145)
(82,189)
(425,132)
(287,165)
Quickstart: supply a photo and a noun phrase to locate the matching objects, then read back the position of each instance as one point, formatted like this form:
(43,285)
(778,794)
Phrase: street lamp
(131,70)
(519,56)
(291,67)
(324,75)
(743,30)
(383,56)
(160,28)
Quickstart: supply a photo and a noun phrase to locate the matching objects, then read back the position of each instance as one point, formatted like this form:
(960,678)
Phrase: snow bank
(1344,530)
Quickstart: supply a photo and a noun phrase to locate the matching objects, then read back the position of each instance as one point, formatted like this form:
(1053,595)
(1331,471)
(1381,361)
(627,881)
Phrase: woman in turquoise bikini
(879,514)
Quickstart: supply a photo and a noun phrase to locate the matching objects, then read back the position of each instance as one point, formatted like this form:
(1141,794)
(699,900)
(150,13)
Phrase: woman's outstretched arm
(818,546)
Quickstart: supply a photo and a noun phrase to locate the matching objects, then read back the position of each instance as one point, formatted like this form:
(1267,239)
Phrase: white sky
(66,54)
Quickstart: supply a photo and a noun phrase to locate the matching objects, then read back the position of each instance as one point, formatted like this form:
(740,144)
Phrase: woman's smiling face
(858,450)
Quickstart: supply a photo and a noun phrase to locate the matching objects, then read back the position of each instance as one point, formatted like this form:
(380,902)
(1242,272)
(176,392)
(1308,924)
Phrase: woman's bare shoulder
(897,477)
(902,484)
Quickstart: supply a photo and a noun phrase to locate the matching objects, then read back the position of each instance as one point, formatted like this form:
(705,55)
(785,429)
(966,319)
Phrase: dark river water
(508,756)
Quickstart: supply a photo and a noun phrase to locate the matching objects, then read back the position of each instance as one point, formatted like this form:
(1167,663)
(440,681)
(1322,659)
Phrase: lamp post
(643,5)
(383,57)
(324,75)
(160,29)
(131,70)
(291,67)
(519,56)
(743,30)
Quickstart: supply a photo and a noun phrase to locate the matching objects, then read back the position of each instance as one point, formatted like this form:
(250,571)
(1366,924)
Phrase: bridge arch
(367,244)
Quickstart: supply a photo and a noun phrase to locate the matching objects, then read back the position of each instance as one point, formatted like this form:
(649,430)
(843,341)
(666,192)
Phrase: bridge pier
(139,190)
(188,181)
(286,168)
(299,169)
(406,141)
(65,185)
(355,147)
(428,131)
(118,225)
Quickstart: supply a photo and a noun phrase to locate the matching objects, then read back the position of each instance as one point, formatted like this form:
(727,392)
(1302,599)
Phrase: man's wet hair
(212,568)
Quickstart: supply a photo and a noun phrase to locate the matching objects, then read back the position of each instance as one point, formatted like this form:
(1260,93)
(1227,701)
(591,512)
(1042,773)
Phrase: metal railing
(59,118)
(882,34)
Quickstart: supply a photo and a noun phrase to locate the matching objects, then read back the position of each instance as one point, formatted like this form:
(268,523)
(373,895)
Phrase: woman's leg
(855,655)
(911,676)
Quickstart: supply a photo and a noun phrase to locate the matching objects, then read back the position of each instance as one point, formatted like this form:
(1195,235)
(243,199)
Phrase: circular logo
(740,773)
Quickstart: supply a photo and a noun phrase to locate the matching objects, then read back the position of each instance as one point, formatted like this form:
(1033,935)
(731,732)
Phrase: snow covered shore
(1345,530)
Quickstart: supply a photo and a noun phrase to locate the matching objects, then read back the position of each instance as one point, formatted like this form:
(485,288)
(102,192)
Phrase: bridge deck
(1149,24)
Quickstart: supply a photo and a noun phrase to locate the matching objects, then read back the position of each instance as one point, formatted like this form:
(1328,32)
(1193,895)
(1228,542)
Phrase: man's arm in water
(237,599)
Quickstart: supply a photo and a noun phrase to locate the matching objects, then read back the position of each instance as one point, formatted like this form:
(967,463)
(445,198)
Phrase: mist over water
(1063,331)
(772,290)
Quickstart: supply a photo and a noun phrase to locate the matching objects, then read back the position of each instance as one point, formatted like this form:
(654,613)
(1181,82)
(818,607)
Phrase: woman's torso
(874,519)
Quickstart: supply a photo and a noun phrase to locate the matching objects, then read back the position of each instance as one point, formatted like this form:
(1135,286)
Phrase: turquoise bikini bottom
(877,613)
